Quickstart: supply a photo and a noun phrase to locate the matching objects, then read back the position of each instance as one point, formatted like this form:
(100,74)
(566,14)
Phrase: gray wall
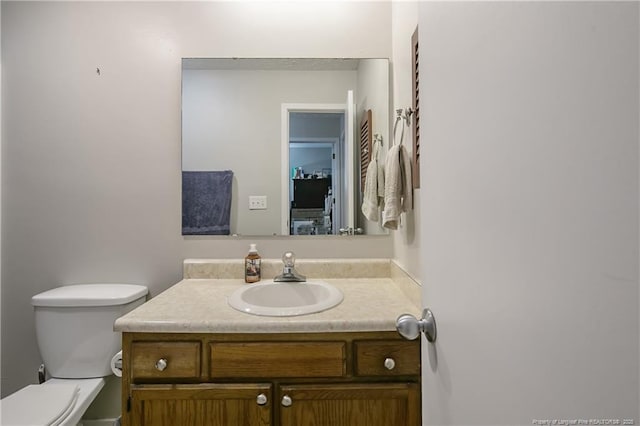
(91,163)
(311,159)
(305,125)
(406,241)
(372,74)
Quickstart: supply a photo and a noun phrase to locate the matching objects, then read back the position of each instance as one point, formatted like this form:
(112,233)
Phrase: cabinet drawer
(278,359)
(402,358)
(181,360)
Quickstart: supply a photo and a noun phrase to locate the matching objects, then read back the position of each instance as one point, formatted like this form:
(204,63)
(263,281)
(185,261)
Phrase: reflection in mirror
(270,146)
(316,147)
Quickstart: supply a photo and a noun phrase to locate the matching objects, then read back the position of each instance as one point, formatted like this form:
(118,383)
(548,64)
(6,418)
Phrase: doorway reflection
(316,143)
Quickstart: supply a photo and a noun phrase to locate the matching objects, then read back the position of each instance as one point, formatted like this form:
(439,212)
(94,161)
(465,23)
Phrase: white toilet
(74,327)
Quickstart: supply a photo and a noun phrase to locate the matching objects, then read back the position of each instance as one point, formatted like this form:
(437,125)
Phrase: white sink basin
(285,299)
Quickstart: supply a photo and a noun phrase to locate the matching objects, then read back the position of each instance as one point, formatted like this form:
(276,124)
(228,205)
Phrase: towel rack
(395,126)
(403,114)
(377,139)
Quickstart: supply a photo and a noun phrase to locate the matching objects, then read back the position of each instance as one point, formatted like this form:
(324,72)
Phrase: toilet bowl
(74,329)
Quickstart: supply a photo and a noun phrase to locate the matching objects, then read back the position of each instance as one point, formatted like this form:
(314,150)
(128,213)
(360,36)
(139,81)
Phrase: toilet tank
(74,326)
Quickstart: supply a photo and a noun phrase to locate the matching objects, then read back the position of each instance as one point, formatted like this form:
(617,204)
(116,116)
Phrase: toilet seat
(57,402)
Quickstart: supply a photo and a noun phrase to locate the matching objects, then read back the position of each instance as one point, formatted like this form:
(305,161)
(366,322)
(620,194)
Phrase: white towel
(373,189)
(398,190)
(380,183)
(370,197)
(407,179)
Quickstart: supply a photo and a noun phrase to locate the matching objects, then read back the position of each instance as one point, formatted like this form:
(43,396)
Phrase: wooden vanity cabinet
(319,379)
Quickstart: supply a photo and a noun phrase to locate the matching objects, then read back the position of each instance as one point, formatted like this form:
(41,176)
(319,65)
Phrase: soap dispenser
(252,265)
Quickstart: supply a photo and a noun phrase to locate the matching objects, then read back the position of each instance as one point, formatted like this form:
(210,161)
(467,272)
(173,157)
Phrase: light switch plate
(257,202)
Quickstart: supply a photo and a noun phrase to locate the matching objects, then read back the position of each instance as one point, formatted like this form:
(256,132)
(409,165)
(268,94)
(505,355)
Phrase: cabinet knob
(389,364)
(261,399)
(161,364)
(286,401)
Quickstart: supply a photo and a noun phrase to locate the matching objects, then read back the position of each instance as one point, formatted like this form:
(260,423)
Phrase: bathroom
(91,159)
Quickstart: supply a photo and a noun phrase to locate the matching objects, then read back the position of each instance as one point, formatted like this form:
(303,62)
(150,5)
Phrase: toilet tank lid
(90,295)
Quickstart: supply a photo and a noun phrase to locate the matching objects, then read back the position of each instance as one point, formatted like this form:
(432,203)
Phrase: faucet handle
(289,259)
(289,273)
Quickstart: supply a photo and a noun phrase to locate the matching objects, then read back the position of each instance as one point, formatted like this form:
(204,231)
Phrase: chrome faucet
(289,273)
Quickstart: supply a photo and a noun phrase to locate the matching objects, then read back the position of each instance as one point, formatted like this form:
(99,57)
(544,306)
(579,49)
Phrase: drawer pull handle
(286,401)
(261,399)
(389,364)
(161,364)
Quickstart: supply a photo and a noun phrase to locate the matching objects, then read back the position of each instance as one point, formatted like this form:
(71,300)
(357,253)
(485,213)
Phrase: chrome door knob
(261,399)
(161,364)
(389,364)
(286,401)
(410,328)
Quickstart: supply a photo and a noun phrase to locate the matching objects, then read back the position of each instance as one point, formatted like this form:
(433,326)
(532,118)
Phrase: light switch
(257,202)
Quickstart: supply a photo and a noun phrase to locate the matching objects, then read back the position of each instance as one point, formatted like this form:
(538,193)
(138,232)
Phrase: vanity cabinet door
(201,404)
(370,404)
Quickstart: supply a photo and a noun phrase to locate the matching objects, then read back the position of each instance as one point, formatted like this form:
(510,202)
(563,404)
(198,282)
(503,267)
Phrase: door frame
(285,176)
(336,173)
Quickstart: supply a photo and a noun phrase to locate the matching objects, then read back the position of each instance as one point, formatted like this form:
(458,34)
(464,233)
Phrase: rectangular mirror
(273,146)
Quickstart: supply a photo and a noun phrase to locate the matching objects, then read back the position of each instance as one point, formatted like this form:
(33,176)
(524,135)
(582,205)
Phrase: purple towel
(206,202)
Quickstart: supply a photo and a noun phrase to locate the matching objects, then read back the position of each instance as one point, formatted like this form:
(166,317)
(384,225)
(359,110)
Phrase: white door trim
(286,109)
(335,145)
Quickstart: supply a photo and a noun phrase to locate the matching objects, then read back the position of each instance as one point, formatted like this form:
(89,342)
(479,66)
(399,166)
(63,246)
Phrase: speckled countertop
(199,305)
